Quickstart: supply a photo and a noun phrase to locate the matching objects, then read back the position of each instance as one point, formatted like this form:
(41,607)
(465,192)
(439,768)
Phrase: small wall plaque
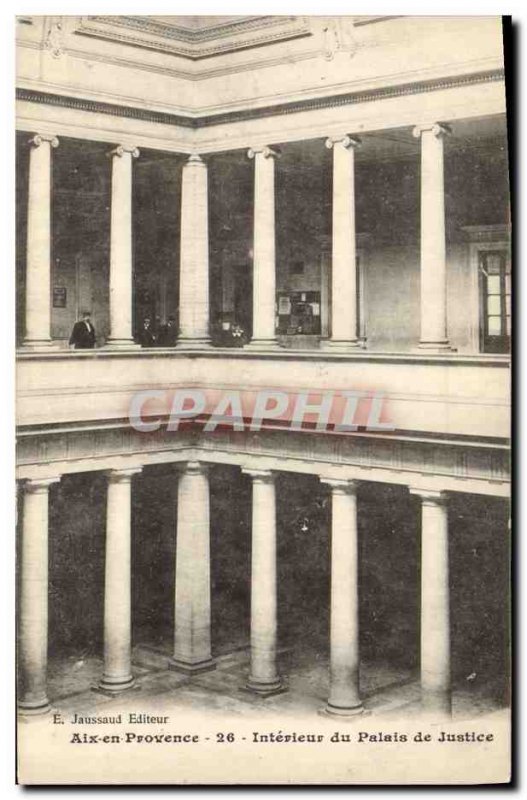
(59,296)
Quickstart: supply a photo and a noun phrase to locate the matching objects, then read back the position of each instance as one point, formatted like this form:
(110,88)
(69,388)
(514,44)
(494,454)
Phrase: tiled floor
(386,691)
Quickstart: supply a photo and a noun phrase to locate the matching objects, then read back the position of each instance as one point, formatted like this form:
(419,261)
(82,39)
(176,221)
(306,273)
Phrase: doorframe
(482,237)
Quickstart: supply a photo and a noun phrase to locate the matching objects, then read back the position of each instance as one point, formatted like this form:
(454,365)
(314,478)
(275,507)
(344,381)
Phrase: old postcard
(263,400)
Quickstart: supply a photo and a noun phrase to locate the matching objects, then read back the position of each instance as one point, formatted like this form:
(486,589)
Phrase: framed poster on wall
(60,296)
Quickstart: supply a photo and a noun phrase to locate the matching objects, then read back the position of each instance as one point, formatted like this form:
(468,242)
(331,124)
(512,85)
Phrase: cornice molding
(492,360)
(242,115)
(487,233)
(101,107)
(372,18)
(436,465)
(194,44)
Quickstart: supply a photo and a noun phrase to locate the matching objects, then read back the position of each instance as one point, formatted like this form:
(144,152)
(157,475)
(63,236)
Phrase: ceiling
(194,37)
(197,22)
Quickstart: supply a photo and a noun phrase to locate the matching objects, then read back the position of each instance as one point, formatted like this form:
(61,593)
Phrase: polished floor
(387,691)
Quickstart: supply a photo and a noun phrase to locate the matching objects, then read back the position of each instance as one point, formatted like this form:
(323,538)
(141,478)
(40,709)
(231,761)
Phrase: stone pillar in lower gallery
(38,260)
(121,248)
(344,695)
(263,677)
(192,647)
(264,248)
(33,598)
(117,673)
(434,336)
(435,604)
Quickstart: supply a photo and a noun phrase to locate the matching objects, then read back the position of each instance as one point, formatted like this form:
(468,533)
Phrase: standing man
(83,333)
(169,333)
(146,336)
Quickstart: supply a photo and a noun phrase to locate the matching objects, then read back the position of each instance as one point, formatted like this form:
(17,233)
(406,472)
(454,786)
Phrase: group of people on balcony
(83,335)
(165,335)
(152,334)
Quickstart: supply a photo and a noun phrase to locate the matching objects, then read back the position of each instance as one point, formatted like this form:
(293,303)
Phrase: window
(495,283)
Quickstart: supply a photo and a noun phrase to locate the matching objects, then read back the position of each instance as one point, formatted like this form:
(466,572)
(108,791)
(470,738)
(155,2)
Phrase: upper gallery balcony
(380,264)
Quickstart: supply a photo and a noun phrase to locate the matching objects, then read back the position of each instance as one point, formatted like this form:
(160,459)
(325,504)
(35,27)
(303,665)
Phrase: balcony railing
(447,395)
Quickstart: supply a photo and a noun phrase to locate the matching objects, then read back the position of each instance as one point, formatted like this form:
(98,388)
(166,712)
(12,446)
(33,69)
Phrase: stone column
(433,246)
(192,650)
(117,674)
(344,697)
(121,255)
(38,256)
(344,334)
(33,607)
(263,678)
(194,260)
(435,603)
(264,249)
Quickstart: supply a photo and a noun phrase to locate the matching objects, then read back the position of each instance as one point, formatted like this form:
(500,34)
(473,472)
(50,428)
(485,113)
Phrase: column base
(435,347)
(262,344)
(343,711)
(192,343)
(342,345)
(265,689)
(188,668)
(436,704)
(111,688)
(39,345)
(36,709)
(121,344)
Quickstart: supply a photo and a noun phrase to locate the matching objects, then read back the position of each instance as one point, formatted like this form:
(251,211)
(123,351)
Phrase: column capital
(39,138)
(341,485)
(439,129)
(122,475)
(194,160)
(267,152)
(39,485)
(121,149)
(433,497)
(193,468)
(260,475)
(346,141)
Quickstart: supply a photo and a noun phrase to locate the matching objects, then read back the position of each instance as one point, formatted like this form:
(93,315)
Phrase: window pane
(508,283)
(494,324)
(493,263)
(494,304)
(493,284)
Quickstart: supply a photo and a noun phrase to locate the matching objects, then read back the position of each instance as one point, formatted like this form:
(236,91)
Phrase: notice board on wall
(299,313)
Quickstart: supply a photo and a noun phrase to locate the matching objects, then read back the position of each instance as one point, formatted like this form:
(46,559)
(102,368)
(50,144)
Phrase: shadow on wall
(77,522)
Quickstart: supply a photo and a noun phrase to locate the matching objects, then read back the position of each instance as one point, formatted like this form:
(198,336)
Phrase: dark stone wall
(154,519)
(480,600)
(77,524)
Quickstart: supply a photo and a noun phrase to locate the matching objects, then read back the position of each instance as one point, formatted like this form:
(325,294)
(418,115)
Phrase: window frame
(483,238)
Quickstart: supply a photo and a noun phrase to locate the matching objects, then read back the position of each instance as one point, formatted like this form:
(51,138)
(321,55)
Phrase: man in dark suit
(168,334)
(83,333)
(146,336)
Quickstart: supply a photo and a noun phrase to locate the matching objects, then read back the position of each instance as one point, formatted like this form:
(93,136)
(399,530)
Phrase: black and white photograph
(263,399)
